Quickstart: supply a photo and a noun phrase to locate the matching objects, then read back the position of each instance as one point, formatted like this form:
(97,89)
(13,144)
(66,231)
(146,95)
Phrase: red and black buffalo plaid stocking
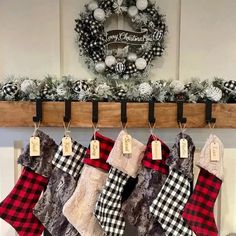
(108,208)
(17,207)
(150,180)
(174,194)
(198,211)
(79,207)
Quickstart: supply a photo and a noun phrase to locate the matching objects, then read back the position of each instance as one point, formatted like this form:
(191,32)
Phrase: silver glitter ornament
(110,61)
(100,67)
(141,63)
(27,86)
(145,89)
(99,14)
(92,6)
(177,86)
(141,4)
(132,11)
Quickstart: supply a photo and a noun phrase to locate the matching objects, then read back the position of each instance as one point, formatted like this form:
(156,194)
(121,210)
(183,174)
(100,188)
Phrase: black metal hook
(39,111)
(180,112)
(95,112)
(208,112)
(151,112)
(67,116)
(123,113)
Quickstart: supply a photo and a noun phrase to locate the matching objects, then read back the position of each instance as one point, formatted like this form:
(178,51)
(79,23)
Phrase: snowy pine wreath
(136,49)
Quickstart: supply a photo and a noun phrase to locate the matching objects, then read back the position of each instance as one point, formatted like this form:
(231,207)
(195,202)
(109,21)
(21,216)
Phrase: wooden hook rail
(19,114)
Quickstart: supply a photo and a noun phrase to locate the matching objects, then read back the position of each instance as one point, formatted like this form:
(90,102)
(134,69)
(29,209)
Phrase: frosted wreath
(137,47)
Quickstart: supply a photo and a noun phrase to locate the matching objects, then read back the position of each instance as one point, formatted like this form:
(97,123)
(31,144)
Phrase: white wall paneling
(228,194)
(7,180)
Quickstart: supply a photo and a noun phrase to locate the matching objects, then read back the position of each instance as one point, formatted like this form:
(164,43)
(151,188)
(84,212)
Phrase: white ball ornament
(110,61)
(132,11)
(92,6)
(27,86)
(99,14)
(132,56)
(145,89)
(177,86)
(100,67)
(142,4)
(141,63)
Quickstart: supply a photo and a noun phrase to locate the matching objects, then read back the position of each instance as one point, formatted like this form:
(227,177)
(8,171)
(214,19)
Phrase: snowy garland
(53,89)
(138,49)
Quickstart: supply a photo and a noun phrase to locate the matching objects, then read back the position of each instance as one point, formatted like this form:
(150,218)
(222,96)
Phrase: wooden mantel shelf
(19,114)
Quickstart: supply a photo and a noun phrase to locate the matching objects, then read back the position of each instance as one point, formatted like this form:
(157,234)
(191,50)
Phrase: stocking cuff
(42,164)
(183,165)
(158,165)
(70,164)
(127,163)
(106,144)
(214,167)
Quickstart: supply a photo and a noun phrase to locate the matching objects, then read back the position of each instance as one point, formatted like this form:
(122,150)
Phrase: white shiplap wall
(37,38)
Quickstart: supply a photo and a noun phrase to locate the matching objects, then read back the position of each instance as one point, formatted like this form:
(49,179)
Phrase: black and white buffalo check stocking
(175,192)
(108,206)
(108,210)
(170,200)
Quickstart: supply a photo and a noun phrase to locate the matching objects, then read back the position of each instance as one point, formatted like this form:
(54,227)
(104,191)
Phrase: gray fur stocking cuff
(42,164)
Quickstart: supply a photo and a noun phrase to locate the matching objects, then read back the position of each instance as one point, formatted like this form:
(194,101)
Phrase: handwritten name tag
(94,149)
(183,148)
(215,151)
(34,146)
(127,144)
(66,146)
(156,150)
